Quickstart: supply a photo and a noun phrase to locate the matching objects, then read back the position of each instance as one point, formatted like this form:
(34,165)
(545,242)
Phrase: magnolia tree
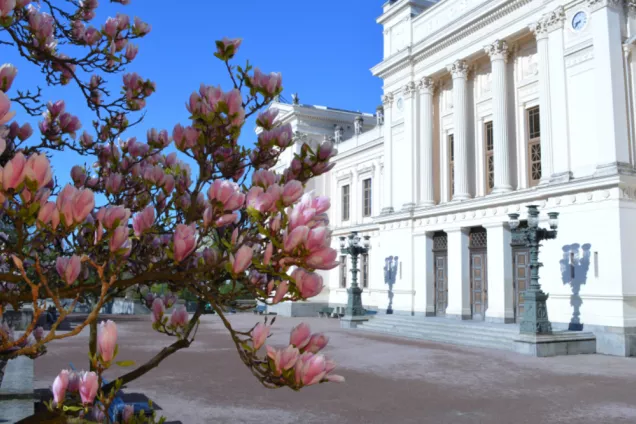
(141,215)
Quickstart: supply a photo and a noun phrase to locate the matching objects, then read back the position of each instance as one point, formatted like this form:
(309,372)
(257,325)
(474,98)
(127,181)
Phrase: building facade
(490,106)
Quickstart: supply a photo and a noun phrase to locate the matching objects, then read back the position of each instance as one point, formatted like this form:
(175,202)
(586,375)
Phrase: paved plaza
(389,380)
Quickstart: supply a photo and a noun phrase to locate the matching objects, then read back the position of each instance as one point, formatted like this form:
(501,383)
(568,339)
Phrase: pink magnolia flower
(242,260)
(310,369)
(309,283)
(113,216)
(179,317)
(114,183)
(283,359)
(88,387)
(59,386)
(128,414)
(69,268)
(226,219)
(143,220)
(281,291)
(7,74)
(259,335)
(324,259)
(6,7)
(107,340)
(295,238)
(140,27)
(158,310)
(169,299)
(228,193)
(292,192)
(119,242)
(74,378)
(38,170)
(266,119)
(300,335)
(49,214)
(131,51)
(259,200)
(317,343)
(269,250)
(227,47)
(184,241)
(14,171)
(319,238)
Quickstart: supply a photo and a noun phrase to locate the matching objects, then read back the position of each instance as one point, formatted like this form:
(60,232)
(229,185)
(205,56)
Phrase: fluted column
(545,103)
(498,52)
(427,190)
(387,181)
(408,165)
(459,71)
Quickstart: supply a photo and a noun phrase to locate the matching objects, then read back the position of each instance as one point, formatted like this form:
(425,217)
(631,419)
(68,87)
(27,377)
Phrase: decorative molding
(579,57)
(459,69)
(426,85)
(498,50)
(549,22)
(409,89)
(595,5)
(387,99)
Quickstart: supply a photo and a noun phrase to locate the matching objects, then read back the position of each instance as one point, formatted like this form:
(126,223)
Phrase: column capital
(549,22)
(459,69)
(498,50)
(595,5)
(426,85)
(409,89)
(387,99)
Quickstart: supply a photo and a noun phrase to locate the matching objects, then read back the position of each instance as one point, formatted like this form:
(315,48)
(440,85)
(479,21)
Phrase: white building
(489,106)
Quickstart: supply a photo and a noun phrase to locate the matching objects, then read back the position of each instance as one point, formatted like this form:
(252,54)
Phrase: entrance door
(479,284)
(521,270)
(441,284)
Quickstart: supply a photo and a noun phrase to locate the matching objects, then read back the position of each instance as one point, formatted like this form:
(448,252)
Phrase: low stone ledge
(16,390)
(559,343)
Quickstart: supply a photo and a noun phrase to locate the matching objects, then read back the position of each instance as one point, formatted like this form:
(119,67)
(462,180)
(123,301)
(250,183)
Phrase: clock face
(400,103)
(579,21)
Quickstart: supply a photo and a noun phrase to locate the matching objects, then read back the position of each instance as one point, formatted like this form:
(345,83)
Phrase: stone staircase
(436,329)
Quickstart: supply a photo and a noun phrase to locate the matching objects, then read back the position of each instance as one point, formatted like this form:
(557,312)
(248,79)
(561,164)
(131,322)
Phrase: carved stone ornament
(459,69)
(426,85)
(357,125)
(409,89)
(387,99)
(498,50)
(598,4)
(379,115)
(549,22)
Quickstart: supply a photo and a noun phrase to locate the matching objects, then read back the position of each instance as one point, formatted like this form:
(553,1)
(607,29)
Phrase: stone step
(469,338)
(499,344)
(444,322)
(456,327)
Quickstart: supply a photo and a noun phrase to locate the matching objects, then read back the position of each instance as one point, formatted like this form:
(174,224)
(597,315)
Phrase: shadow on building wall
(575,265)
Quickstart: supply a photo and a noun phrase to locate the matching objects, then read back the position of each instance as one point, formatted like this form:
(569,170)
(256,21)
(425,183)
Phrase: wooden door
(479,284)
(441,284)
(521,280)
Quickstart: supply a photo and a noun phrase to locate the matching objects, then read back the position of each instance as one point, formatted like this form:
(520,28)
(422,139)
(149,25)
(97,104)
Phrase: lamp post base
(354,302)
(535,316)
(348,321)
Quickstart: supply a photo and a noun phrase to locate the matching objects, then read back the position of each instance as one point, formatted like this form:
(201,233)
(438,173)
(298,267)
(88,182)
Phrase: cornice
(430,46)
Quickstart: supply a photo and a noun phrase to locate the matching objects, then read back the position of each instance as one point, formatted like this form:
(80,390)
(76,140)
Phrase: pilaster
(427,189)
(459,71)
(498,52)
(423,273)
(500,274)
(387,192)
(408,158)
(458,274)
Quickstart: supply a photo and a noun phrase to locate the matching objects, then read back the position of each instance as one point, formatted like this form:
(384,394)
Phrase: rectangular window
(451,164)
(490,159)
(366,196)
(343,271)
(365,271)
(345,202)
(534,146)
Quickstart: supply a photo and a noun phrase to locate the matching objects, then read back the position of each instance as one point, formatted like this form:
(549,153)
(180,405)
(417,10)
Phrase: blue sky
(323,49)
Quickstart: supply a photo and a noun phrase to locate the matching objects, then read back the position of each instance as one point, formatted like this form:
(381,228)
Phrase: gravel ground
(389,380)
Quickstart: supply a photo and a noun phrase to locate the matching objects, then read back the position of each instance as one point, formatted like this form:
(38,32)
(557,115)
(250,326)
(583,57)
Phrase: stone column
(500,274)
(458,274)
(498,52)
(423,273)
(545,103)
(459,71)
(427,190)
(375,194)
(410,180)
(387,182)
(609,85)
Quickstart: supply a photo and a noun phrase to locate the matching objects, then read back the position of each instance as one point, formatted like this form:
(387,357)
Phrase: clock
(400,103)
(579,21)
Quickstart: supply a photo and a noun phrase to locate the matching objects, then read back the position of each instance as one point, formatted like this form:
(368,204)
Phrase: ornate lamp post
(354,247)
(535,315)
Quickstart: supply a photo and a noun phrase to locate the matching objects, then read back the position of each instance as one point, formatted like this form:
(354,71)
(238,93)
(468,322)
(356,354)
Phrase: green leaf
(73,408)
(125,363)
